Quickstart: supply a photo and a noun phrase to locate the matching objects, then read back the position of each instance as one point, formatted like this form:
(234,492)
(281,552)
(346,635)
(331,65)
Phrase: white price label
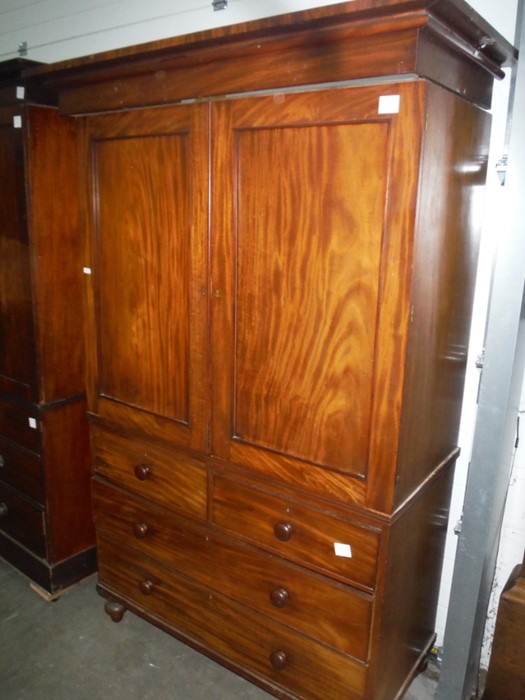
(342,550)
(388,104)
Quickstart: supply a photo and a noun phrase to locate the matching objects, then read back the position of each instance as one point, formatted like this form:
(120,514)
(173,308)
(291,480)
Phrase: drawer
(252,642)
(21,470)
(297,532)
(22,521)
(151,471)
(20,425)
(334,613)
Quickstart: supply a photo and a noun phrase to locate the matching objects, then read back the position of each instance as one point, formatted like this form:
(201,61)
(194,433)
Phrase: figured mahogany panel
(148,218)
(17,351)
(308,245)
(312,259)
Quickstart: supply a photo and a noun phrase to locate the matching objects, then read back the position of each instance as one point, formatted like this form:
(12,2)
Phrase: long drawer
(22,521)
(20,425)
(151,471)
(334,613)
(22,470)
(254,643)
(297,532)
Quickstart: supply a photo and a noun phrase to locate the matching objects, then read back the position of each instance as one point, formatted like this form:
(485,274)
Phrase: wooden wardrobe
(46,527)
(281,228)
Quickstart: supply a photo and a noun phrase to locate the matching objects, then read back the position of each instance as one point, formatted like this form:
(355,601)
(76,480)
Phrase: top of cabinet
(445,41)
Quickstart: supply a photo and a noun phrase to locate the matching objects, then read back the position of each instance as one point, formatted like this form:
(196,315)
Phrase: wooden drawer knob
(146,586)
(283,531)
(3,510)
(278,660)
(140,530)
(142,471)
(279,597)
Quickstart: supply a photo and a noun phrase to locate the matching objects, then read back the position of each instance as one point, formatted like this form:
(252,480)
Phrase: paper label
(86,270)
(17,121)
(342,550)
(388,104)
(32,423)
(20,92)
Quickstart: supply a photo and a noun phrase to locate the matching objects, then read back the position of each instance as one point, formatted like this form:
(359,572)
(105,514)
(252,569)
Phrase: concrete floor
(71,650)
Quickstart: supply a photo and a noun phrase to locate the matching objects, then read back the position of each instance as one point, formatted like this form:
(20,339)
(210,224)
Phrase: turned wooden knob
(278,660)
(279,597)
(146,586)
(140,530)
(283,531)
(3,510)
(142,471)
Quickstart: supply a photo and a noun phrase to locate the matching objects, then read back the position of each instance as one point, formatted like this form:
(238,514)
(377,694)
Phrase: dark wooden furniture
(46,527)
(281,248)
(506,674)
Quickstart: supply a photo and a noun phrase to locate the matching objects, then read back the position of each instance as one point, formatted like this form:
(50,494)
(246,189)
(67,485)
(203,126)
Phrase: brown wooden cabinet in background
(279,288)
(46,525)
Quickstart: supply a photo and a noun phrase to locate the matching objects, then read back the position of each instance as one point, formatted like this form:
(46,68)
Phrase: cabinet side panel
(67,481)
(55,236)
(445,258)
(17,360)
(404,626)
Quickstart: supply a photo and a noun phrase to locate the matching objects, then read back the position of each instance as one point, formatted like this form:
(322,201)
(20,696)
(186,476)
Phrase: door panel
(149,269)
(310,259)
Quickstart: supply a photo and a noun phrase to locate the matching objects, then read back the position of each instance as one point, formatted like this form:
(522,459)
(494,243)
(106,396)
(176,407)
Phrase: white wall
(61,29)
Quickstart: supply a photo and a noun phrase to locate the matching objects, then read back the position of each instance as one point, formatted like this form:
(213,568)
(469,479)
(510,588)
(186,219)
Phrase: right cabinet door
(313,204)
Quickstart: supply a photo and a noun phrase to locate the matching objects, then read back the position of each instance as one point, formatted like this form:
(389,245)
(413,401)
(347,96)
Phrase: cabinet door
(147,276)
(17,347)
(313,209)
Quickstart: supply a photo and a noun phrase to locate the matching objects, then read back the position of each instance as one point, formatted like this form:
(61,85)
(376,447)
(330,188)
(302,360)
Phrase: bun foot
(114,610)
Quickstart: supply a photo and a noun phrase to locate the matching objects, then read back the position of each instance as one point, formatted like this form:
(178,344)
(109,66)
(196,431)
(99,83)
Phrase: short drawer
(22,521)
(21,470)
(20,425)
(298,532)
(332,612)
(255,644)
(151,471)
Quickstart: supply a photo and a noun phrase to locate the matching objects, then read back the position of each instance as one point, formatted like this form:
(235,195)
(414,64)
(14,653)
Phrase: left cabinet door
(17,342)
(146,270)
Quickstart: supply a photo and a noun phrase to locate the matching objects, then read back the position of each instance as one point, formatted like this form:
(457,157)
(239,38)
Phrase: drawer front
(22,521)
(298,532)
(22,471)
(20,425)
(237,634)
(151,471)
(334,613)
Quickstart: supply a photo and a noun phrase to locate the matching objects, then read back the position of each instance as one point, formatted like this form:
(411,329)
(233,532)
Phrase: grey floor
(70,649)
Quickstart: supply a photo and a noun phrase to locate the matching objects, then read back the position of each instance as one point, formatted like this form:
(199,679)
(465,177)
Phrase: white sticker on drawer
(32,423)
(342,550)
(388,104)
